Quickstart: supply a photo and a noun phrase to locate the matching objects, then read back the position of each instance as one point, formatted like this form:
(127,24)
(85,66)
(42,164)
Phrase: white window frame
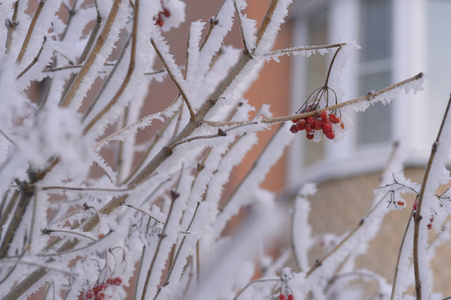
(347,158)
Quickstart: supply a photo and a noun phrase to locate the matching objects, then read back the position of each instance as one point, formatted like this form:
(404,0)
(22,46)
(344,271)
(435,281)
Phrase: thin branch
(332,107)
(34,61)
(171,75)
(160,241)
(74,67)
(330,68)
(254,282)
(125,82)
(7,137)
(144,212)
(30,31)
(46,266)
(288,51)
(11,25)
(129,127)
(209,136)
(87,189)
(398,259)
(50,231)
(419,206)
(238,15)
(69,96)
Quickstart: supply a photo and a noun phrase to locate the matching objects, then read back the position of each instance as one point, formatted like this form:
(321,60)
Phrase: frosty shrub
(151,225)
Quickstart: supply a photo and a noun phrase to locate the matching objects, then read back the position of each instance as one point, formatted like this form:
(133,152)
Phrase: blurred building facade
(399,39)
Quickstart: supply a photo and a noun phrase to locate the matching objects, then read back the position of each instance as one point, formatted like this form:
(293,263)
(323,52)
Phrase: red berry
(330,135)
(429,226)
(295,121)
(290,297)
(100,296)
(318,124)
(117,281)
(310,120)
(342,126)
(293,128)
(415,204)
(301,125)
(282,297)
(166,12)
(159,21)
(89,294)
(333,119)
(308,128)
(323,115)
(327,127)
(97,289)
(400,203)
(310,136)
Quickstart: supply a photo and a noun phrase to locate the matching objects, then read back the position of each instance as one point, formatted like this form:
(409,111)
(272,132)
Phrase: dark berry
(117,281)
(89,294)
(159,21)
(301,125)
(100,296)
(415,204)
(293,128)
(429,226)
(166,12)
(310,136)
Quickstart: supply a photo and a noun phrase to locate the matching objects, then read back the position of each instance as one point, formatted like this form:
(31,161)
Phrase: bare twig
(301,49)
(69,96)
(34,61)
(419,206)
(238,15)
(11,25)
(125,82)
(254,282)
(174,196)
(30,31)
(332,107)
(398,259)
(177,84)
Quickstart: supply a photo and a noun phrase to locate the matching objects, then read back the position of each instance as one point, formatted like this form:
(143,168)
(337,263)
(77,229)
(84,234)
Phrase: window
(375,70)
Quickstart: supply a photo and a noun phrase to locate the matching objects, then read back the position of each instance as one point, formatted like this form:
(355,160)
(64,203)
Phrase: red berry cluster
(319,122)
(98,291)
(159,21)
(285,297)
(431,219)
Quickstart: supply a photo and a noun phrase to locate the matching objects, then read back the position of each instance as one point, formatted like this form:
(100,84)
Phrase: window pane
(376,29)
(439,60)
(374,125)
